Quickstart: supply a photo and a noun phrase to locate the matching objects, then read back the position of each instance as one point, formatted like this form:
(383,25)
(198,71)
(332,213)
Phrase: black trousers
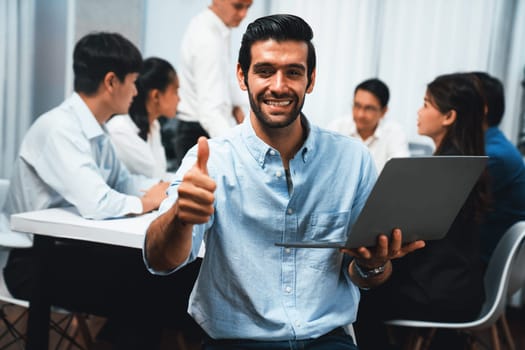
(185,136)
(108,281)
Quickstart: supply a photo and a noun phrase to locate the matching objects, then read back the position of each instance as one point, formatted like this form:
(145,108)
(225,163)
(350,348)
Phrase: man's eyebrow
(296,65)
(268,64)
(262,65)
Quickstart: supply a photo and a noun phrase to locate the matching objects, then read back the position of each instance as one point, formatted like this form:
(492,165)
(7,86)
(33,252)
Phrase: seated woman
(444,280)
(137,137)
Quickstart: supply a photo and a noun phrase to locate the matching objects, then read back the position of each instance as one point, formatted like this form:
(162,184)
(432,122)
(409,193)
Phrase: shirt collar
(87,120)
(492,130)
(378,132)
(260,150)
(223,28)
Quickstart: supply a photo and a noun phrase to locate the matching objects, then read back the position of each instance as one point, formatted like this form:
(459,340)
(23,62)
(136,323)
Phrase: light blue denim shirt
(249,288)
(67,159)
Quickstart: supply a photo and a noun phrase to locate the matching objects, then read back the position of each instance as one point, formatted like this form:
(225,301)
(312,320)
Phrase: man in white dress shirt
(384,138)
(67,159)
(210,102)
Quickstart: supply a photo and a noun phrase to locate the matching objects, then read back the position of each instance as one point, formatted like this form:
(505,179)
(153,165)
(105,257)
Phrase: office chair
(517,291)
(418,149)
(503,278)
(68,324)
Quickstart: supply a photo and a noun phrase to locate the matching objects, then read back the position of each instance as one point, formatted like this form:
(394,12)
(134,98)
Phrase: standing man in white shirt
(67,159)
(384,139)
(209,106)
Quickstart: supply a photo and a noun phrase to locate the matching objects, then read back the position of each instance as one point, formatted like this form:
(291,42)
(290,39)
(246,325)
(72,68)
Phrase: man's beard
(266,120)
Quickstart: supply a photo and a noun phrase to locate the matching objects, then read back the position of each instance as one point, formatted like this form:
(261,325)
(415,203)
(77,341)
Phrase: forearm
(148,204)
(370,281)
(168,241)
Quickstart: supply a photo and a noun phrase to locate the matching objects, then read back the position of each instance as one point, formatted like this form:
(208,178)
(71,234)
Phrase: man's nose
(279,82)
(359,112)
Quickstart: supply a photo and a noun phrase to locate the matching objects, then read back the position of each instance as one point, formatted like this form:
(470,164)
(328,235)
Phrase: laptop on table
(420,195)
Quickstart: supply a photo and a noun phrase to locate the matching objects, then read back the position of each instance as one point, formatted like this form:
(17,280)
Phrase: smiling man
(274,178)
(384,138)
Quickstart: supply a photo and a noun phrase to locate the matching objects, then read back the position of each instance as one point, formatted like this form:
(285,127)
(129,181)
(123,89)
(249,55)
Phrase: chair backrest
(4,229)
(5,295)
(517,273)
(499,271)
(4,222)
(9,238)
(417,149)
(4,186)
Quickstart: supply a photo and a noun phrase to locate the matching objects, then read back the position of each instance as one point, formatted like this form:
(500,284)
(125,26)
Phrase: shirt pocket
(329,227)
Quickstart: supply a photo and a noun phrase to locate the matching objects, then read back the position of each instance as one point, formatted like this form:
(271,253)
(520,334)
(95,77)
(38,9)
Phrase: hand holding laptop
(372,266)
(371,257)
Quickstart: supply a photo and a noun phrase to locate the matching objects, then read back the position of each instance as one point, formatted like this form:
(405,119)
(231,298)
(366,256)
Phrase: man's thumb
(203,153)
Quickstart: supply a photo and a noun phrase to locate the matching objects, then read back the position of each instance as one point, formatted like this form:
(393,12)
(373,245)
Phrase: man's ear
(312,82)
(109,81)
(240,78)
(383,111)
(450,118)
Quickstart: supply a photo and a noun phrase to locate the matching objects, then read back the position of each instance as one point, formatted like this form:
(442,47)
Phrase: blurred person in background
(444,280)
(506,170)
(384,138)
(210,102)
(137,135)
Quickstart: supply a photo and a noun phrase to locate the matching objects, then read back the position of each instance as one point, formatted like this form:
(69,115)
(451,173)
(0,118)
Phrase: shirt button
(290,211)
(278,173)
(287,250)
(272,152)
(288,289)
(297,324)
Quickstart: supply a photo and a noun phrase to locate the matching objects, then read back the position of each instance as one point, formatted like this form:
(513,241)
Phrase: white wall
(50,54)
(85,16)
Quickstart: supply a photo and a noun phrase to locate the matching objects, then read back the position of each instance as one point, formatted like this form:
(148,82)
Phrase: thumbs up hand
(195,202)
(203,153)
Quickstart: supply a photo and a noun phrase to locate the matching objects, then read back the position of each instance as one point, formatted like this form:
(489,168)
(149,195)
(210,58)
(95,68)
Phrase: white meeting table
(67,223)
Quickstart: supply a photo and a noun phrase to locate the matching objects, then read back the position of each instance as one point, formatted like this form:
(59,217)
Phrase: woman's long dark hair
(462,93)
(156,73)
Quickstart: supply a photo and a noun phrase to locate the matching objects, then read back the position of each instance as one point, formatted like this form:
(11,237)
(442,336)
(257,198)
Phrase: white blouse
(140,157)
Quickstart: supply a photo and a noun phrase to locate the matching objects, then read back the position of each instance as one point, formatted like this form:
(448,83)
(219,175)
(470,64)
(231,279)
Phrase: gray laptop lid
(420,195)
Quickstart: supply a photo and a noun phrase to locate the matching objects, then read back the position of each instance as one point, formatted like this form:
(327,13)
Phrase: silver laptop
(420,195)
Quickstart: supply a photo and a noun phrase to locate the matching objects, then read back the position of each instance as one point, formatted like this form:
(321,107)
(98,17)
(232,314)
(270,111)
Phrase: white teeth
(278,103)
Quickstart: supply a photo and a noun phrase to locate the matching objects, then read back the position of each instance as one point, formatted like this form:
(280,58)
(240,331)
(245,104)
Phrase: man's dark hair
(279,28)
(494,97)
(97,54)
(377,88)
